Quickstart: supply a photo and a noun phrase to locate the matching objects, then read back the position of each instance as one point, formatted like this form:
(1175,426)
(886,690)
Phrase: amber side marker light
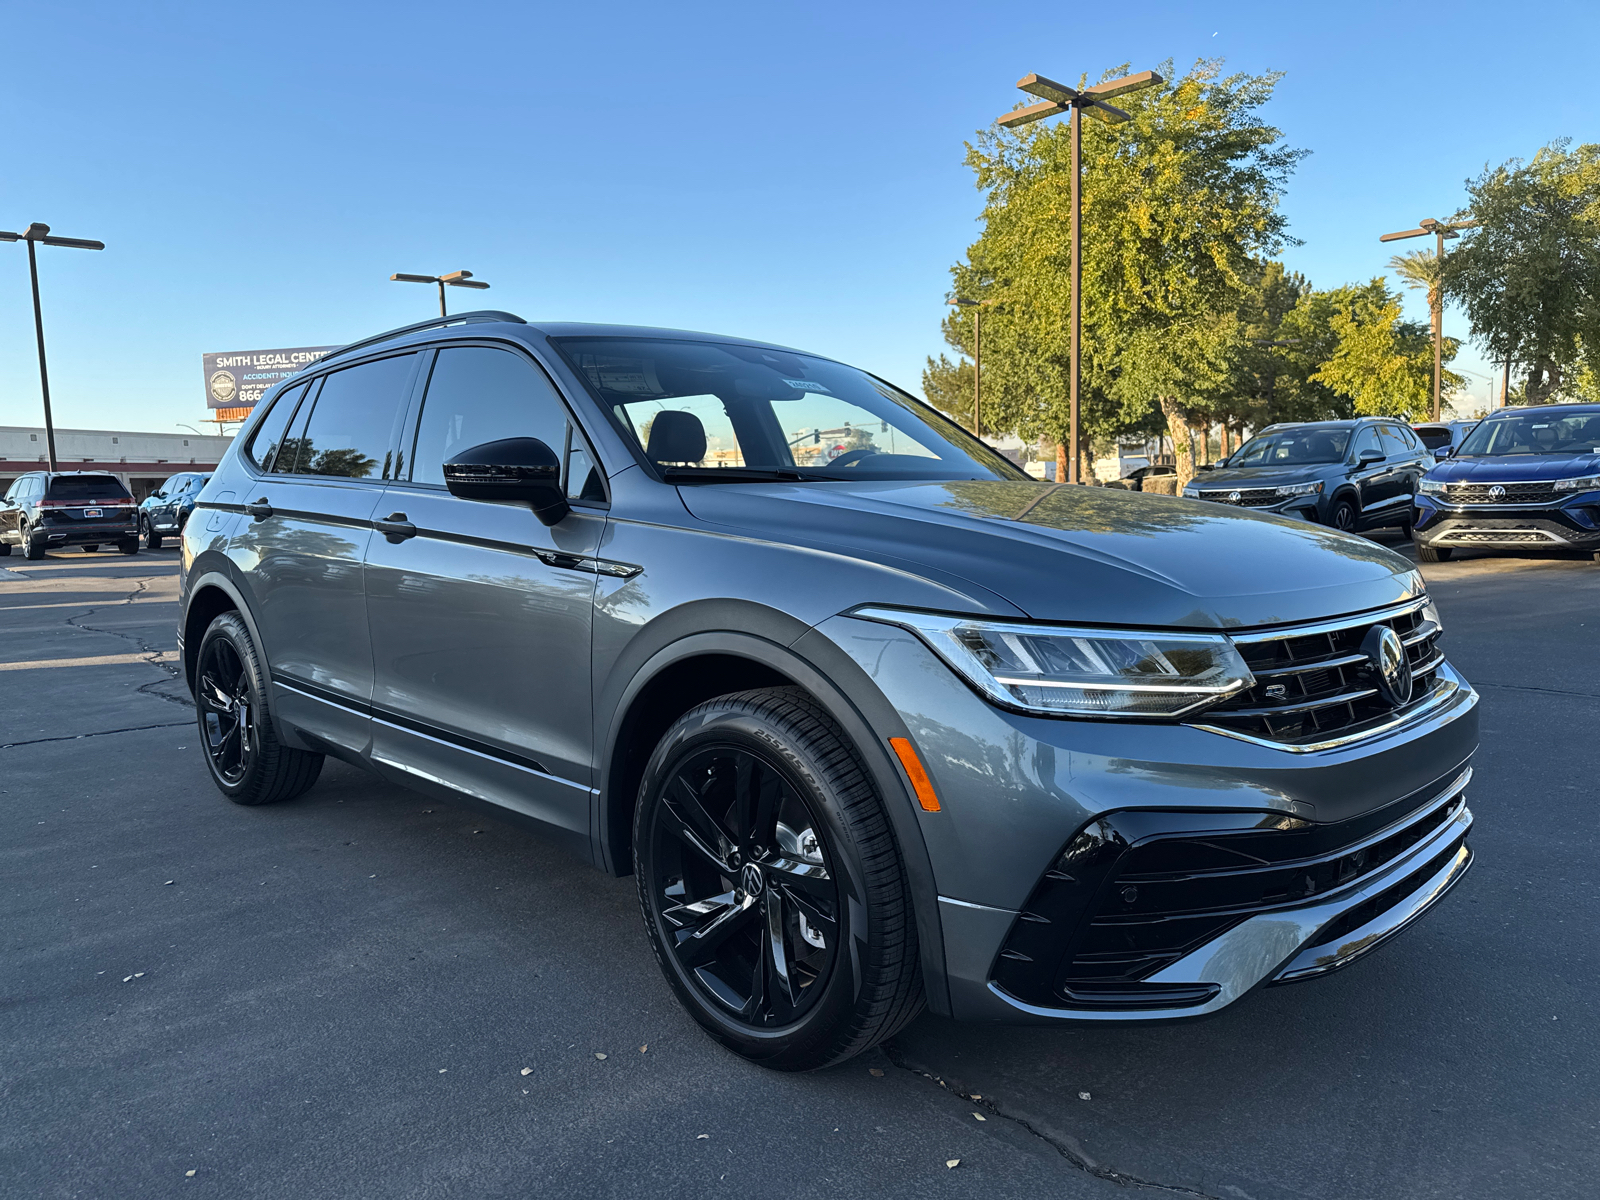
(920,783)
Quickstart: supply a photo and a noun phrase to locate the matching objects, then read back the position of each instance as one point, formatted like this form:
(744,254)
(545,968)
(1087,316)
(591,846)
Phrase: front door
(307,532)
(481,618)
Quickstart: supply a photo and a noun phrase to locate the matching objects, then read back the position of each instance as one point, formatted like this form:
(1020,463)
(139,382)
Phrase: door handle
(259,509)
(396,528)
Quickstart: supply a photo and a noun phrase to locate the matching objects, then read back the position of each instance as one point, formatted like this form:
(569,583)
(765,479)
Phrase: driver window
(479,394)
(1367,442)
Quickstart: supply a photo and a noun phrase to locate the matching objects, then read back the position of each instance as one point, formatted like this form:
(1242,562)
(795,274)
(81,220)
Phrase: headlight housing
(1052,670)
(1583,483)
(1191,491)
(1434,487)
(1299,489)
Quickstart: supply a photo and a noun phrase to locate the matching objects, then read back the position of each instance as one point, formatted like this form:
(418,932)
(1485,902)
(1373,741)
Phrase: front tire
(152,539)
(248,763)
(1342,516)
(1432,554)
(772,890)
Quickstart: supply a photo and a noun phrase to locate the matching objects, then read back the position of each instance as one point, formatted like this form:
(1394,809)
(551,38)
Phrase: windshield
(87,487)
(1292,448)
(1535,433)
(707,411)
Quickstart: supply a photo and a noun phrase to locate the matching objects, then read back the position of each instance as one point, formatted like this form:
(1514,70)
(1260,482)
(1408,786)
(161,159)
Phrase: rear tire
(129,545)
(247,762)
(91,547)
(33,545)
(1433,554)
(758,828)
(5,550)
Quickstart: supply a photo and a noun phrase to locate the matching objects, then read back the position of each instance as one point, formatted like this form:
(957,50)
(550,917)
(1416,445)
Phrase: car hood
(1066,553)
(1514,468)
(1254,477)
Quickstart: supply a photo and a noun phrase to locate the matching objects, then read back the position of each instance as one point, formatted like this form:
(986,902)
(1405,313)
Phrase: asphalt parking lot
(365,993)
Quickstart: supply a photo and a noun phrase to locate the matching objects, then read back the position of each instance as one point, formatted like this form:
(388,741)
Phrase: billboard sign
(239,379)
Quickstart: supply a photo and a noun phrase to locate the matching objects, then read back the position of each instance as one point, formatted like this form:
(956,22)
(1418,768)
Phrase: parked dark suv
(163,513)
(1524,478)
(876,720)
(1350,475)
(46,510)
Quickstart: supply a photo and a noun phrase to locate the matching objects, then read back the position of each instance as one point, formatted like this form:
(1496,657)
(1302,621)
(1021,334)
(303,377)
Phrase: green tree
(1529,275)
(948,387)
(1382,364)
(1180,205)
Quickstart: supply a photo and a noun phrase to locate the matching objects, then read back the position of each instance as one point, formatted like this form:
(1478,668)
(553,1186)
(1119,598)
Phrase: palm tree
(1420,270)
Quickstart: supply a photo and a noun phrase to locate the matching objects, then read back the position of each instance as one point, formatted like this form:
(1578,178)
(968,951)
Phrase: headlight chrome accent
(1434,487)
(1054,670)
(1583,483)
(1300,489)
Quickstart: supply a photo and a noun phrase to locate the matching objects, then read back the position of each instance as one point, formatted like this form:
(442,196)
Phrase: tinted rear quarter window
(353,419)
(87,487)
(268,436)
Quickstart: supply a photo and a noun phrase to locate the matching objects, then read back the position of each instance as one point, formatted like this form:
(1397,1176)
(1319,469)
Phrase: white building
(140,460)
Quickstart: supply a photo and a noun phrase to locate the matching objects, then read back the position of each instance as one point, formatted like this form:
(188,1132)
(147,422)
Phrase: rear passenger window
(353,420)
(478,394)
(268,436)
(1392,442)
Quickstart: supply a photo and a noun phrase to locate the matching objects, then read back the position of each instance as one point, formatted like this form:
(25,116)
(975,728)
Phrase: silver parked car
(876,720)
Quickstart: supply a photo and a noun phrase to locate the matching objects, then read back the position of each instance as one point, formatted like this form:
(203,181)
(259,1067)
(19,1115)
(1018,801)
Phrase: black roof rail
(466,318)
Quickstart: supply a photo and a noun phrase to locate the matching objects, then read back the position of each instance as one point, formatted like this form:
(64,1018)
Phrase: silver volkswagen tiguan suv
(876,720)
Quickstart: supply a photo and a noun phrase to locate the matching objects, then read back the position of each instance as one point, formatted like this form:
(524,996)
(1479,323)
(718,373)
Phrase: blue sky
(790,172)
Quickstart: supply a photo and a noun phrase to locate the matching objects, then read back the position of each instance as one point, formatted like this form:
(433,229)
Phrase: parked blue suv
(1525,477)
(164,511)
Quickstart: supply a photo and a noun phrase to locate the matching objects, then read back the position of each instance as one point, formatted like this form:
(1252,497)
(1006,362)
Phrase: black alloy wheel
(247,761)
(771,888)
(226,720)
(152,539)
(745,897)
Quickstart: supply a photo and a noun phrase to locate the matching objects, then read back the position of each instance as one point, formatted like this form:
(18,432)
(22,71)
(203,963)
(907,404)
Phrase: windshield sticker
(806,385)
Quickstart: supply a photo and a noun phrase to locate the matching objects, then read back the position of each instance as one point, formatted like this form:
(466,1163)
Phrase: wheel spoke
(808,879)
(700,948)
(780,999)
(213,694)
(695,826)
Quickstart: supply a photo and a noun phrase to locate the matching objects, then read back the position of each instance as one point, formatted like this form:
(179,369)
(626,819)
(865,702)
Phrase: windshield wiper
(735,475)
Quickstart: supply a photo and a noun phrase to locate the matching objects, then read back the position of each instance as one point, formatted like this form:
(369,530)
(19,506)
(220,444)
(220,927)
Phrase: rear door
(1372,479)
(481,619)
(310,519)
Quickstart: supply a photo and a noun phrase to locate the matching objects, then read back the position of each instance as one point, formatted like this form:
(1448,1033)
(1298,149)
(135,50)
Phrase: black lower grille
(1137,890)
(1321,684)
(1499,493)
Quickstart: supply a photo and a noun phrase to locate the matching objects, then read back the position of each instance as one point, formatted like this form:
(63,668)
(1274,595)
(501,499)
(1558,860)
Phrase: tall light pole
(1092,100)
(454,279)
(34,234)
(1440,230)
(977,356)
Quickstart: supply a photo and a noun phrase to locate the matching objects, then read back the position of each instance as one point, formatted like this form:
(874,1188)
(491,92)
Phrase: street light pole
(1061,99)
(454,279)
(37,232)
(1440,230)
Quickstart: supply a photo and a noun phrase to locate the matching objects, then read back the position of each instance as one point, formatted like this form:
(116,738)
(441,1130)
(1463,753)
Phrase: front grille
(1499,537)
(1242,497)
(1511,493)
(1317,685)
(1136,891)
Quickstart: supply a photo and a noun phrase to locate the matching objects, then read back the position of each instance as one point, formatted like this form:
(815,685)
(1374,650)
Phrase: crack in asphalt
(73,737)
(1522,687)
(152,653)
(1069,1151)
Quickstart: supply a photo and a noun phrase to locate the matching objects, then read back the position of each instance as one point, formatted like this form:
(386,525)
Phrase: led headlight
(1191,491)
(1583,483)
(1299,489)
(1434,487)
(1057,671)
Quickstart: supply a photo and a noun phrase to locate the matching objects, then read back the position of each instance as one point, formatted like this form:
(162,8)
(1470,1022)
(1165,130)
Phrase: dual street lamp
(33,235)
(454,279)
(1059,98)
(1440,230)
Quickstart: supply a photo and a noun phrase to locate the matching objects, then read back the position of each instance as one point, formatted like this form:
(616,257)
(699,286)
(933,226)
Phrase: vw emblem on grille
(1391,669)
(750,877)
(1233,497)
(1497,492)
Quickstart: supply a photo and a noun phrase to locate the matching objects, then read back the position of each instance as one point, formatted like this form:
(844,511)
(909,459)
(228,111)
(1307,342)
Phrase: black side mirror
(522,469)
(1206,467)
(1368,457)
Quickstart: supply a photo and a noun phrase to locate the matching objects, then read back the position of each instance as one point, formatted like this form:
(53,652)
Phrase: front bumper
(1573,524)
(1018,791)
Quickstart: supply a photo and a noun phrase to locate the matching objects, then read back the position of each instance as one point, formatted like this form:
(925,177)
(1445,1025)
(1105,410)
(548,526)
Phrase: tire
(90,548)
(803,846)
(1434,553)
(5,550)
(247,762)
(33,545)
(129,545)
(1342,516)
(152,539)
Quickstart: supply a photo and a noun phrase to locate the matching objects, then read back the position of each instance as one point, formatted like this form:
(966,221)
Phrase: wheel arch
(690,669)
(209,596)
